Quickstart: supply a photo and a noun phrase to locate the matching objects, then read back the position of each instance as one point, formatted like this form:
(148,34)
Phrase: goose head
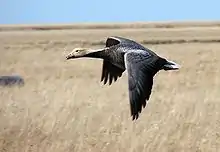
(82,52)
(77,53)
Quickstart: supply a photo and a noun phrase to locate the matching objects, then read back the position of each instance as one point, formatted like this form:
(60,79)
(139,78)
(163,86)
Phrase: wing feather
(110,72)
(141,69)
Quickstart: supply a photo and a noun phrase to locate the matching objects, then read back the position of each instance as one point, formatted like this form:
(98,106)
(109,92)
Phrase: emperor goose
(142,64)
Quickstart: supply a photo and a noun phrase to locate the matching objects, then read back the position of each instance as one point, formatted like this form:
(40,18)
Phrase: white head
(77,53)
(83,52)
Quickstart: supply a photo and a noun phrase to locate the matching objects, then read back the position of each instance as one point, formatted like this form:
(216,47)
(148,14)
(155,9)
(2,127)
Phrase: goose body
(142,64)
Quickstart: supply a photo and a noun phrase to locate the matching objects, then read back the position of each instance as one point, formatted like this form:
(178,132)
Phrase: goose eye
(77,50)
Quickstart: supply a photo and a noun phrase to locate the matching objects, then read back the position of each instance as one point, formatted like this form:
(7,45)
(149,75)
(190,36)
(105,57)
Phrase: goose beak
(70,56)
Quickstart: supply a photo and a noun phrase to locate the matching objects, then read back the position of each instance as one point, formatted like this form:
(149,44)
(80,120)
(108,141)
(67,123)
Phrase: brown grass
(90,26)
(63,106)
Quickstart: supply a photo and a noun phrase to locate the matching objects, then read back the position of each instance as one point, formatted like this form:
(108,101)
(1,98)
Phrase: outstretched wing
(111,41)
(110,72)
(141,67)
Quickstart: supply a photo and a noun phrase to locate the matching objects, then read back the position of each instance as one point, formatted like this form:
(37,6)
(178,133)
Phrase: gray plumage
(142,64)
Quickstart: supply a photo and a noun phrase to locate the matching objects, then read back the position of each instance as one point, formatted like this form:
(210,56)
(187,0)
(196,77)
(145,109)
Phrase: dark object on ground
(14,80)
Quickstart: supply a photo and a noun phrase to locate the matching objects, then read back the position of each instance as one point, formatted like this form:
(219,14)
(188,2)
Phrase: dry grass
(133,25)
(63,107)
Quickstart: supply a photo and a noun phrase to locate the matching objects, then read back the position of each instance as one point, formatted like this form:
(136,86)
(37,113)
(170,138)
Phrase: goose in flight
(142,64)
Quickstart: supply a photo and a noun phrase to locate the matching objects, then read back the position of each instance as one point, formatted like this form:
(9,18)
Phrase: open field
(63,107)
(134,25)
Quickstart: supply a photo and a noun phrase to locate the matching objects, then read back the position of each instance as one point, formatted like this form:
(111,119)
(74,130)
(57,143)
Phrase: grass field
(63,107)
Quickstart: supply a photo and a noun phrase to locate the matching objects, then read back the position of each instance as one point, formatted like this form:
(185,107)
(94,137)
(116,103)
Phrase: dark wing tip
(138,101)
(110,72)
(135,117)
